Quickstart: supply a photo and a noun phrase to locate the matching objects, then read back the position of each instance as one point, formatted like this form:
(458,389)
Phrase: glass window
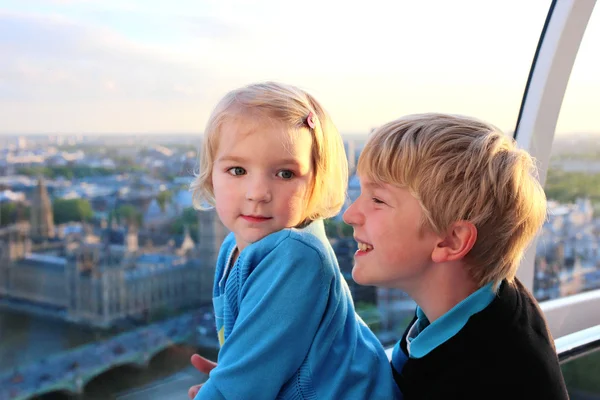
(102,258)
(568,251)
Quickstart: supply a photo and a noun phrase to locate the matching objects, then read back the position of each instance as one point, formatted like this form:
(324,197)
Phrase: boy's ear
(459,240)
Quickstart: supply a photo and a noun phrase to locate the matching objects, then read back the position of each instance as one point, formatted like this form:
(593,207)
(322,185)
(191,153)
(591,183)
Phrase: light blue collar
(424,336)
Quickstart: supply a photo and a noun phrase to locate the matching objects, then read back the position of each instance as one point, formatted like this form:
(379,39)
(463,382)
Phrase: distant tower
(131,238)
(42,217)
(187,243)
(18,243)
(211,233)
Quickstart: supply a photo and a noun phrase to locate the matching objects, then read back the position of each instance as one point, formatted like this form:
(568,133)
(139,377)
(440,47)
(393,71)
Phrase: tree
(35,171)
(188,218)
(68,172)
(11,213)
(163,198)
(369,314)
(128,214)
(67,210)
(566,187)
(335,229)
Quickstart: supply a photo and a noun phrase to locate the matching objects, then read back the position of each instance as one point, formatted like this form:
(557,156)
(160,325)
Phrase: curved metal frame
(569,347)
(578,344)
(557,49)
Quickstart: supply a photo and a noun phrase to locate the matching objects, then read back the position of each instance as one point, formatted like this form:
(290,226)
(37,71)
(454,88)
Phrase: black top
(503,352)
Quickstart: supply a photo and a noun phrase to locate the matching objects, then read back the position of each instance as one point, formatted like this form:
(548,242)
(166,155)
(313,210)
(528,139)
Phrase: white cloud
(54,58)
(118,65)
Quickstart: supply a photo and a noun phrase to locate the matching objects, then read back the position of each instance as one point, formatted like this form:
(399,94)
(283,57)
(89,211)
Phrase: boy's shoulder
(511,325)
(516,315)
(509,345)
(506,347)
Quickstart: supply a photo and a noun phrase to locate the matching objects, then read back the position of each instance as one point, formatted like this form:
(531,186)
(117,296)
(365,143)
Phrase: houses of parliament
(101,276)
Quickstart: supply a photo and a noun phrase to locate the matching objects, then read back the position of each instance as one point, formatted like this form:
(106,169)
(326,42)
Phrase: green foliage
(68,172)
(363,305)
(170,177)
(89,150)
(369,313)
(566,187)
(188,218)
(164,198)
(77,171)
(71,210)
(589,155)
(11,212)
(7,213)
(161,313)
(34,171)
(335,229)
(130,168)
(401,327)
(128,214)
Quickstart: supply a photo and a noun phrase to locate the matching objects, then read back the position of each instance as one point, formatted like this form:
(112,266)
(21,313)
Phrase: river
(27,338)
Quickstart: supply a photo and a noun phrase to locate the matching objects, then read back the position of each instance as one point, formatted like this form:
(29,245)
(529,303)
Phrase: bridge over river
(71,370)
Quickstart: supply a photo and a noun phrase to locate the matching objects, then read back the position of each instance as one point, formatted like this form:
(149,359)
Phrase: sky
(155,66)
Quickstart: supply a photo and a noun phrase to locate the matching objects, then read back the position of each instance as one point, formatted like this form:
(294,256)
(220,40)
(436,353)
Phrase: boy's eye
(377,201)
(285,174)
(235,171)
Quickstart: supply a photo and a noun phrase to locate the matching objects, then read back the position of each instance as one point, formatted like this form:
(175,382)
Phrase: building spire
(41,216)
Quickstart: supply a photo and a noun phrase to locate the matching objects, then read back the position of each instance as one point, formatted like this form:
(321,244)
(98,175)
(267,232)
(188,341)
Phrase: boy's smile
(393,247)
(363,247)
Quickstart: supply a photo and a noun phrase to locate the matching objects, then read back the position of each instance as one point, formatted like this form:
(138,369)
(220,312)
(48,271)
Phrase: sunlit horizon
(133,67)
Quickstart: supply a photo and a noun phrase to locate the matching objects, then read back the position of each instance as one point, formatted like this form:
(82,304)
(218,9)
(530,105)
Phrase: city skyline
(129,66)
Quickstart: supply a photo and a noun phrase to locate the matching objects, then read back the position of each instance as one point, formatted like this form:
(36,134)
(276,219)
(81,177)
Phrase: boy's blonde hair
(462,169)
(291,106)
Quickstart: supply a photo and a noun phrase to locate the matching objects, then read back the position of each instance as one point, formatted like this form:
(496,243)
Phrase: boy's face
(261,178)
(394,250)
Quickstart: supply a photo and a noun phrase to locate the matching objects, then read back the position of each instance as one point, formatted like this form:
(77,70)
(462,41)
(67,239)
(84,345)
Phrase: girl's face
(262,177)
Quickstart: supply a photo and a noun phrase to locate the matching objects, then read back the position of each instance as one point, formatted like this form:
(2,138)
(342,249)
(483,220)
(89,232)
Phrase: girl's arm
(283,301)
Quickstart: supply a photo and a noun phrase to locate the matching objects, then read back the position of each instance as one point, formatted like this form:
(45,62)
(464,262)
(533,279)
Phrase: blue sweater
(289,328)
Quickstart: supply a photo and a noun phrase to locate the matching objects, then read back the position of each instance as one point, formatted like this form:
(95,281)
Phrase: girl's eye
(377,201)
(285,174)
(235,171)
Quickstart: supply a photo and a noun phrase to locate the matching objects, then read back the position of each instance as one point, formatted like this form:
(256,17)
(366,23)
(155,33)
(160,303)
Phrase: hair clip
(310,120)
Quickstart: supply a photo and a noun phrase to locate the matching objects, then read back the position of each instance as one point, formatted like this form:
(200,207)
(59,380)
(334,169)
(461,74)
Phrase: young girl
(273,166)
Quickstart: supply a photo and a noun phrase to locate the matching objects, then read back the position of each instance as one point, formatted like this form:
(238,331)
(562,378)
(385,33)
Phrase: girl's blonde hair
(462,169)
(291,106)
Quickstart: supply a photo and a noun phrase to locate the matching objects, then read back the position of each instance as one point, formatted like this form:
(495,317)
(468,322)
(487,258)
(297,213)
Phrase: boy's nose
(351,215)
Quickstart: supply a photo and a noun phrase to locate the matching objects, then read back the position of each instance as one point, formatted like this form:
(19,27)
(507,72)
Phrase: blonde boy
(447,208)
